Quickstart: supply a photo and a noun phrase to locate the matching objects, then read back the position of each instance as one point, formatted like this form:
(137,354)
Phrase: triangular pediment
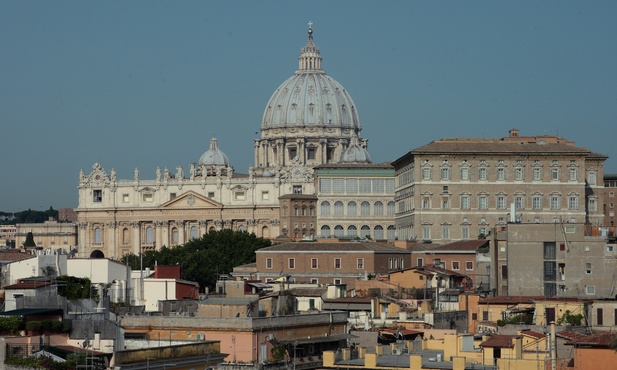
(190,199)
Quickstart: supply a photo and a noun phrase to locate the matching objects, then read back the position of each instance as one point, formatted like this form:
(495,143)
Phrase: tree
(29,240)
(201,260)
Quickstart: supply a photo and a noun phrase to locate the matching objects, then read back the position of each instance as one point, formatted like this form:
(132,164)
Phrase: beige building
(459,188)
(356,200)
(310,120)
(610,202)
(49,235)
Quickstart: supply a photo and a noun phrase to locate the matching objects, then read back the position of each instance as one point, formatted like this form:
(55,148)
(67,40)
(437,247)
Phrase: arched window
(98,235)
(338,208)
(351,209)
(149,235)
(378,232)
(365,231)
(391,232)
(325,231)
(174,236)
(242,228)
(193,232)
(378,210)
(265,232)
(365,209)
(390,208)
(325,208)
(125,236)
(338,231)
(352,230)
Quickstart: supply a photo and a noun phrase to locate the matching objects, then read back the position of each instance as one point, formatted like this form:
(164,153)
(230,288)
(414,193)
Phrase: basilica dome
(310,97)
(309,120)
(214,156)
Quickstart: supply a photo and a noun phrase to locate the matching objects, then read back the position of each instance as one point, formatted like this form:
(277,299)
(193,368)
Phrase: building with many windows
(329,263)
(610,201)
(356,200)
(461,188)
(310,120)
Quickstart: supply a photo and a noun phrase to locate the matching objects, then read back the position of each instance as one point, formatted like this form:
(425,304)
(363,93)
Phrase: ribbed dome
(355,153)
(310,97)
(213,156)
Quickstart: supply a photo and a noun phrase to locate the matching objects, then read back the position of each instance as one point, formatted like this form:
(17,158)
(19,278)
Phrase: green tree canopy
(29,240)
(200,260)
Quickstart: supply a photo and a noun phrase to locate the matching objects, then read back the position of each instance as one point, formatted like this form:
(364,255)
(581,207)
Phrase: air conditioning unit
(396,351)
(201,336)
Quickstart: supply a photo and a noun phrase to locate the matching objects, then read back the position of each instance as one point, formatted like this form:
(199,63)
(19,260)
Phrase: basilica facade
(309,121)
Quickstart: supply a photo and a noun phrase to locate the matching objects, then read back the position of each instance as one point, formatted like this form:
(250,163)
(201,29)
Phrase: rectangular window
(147,197)
(297,189)
(426,173)
(337,263)
(389,186)
(445,203)
(172,196)
(125,198)
(555,203)
(360,263)
(550,250)
(314,263)
(291,263)
(337,282)
(501,174)
(518,174)
(588,268)
(504,272)
(426,202)
(537,174)
(351,186)
(446,231)
(292,153)
(572,174)
(592,205)
(456,265)
(268,263)
(572,202)
(97,196)
(310,153)
(501,202)
(420,262)
(554,174)
(550,271)
(536,202)
(210,194)
(590,289)
(591,178)
(314,281)
(325,186)
(482,174)
(465,232)
(599,317)
(239,195)
(426,232)
(465,173)
(484,315)
(469,265)
(338,186)
(365,186)
(483,202)
(465,203)
(265,195)
(445,173)
(550,290)
(519,202)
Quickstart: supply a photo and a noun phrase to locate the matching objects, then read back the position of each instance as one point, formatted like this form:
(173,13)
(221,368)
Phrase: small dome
(213,156)
(355,153)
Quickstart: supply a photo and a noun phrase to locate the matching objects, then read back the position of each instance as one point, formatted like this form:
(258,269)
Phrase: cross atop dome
(310,59)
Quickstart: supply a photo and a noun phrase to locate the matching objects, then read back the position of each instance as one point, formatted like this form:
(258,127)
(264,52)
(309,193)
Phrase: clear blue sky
(147,83)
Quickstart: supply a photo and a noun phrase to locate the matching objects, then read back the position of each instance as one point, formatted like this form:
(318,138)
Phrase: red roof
(499,341)
(527,299)
(534,334)
(598,339)
(28,285)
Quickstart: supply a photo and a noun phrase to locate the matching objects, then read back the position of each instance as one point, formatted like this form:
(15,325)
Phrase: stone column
(300,150)
(158,234)
(181,233)
(110,242)
(323,150)
(84,238)
(257,153)
(165,234)
(136,226)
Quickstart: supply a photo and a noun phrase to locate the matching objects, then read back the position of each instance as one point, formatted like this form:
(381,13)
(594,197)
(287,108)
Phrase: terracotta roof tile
(499,340)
